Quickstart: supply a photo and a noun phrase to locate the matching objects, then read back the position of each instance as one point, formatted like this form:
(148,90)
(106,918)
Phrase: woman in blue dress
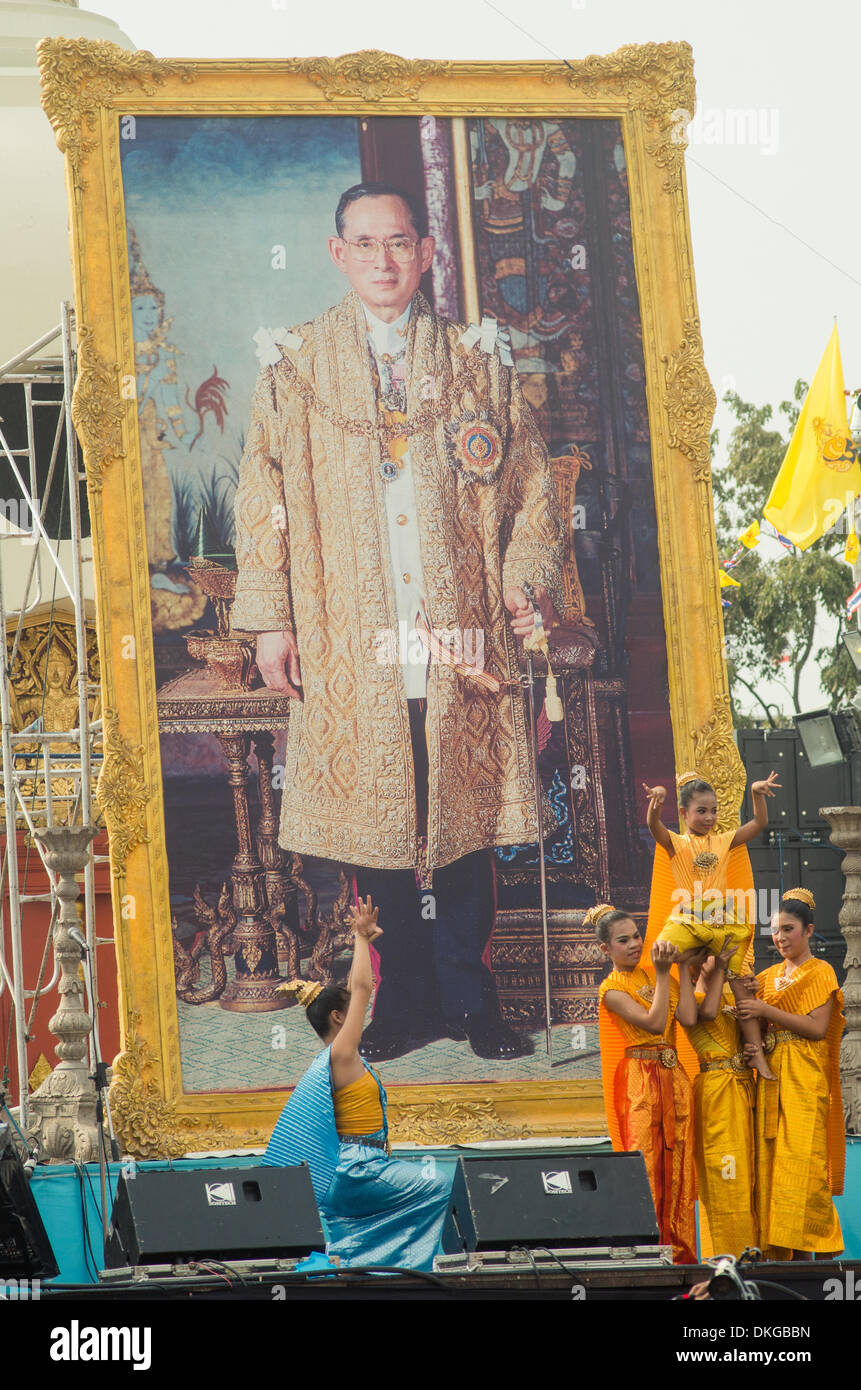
(376,1210)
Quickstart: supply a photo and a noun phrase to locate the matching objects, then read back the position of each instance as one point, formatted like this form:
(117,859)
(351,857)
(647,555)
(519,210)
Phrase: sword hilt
(537,619)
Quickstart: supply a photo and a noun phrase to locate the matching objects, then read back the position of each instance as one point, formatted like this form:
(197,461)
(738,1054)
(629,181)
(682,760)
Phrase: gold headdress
(139,278)
(801,895)
(685,777)
(594,915)
(306,991)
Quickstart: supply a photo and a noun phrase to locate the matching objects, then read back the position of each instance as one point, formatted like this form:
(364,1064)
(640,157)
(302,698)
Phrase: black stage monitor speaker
(25,1250)
(550,1199)
(165,1216)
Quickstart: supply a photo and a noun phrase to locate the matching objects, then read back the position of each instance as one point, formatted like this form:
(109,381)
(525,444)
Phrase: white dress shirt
(402,518)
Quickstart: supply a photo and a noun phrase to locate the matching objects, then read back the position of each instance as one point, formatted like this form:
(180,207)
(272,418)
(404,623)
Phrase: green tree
(771,622)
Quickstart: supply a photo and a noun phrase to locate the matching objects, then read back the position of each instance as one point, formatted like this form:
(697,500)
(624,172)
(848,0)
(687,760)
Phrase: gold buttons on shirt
(406,578)
(402,521)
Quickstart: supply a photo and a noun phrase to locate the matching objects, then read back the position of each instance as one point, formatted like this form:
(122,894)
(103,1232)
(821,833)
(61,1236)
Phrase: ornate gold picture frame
(88,89)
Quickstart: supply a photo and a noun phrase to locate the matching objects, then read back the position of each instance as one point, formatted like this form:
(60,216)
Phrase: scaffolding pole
(22,766)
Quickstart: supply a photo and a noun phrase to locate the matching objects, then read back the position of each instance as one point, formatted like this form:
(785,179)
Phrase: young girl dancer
(705,905)
(647,1095)
(800,1139)
(376,1210)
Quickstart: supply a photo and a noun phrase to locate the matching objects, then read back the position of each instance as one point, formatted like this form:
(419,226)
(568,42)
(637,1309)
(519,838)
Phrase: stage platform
(817,1281)
(68,1200)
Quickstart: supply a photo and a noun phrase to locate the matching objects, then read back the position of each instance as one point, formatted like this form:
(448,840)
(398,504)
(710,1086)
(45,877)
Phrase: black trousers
(430,953)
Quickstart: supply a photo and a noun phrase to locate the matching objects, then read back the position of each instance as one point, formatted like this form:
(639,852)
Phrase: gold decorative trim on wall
(717,759)
(656,79)
(150,1127)
(370,75)
(122,794)
(690,401)
(81,76)
(98,409)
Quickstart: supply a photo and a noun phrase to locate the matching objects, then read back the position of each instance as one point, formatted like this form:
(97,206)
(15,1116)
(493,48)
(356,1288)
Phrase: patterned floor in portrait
(223,1051)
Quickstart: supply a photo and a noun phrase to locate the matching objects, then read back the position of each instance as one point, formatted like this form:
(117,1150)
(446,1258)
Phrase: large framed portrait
(246,408)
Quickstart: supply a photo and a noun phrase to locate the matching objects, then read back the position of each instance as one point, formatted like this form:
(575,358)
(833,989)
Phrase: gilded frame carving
(86,86)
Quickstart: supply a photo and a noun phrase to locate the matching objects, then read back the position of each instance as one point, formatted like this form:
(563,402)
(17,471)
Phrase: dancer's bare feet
(758,1062)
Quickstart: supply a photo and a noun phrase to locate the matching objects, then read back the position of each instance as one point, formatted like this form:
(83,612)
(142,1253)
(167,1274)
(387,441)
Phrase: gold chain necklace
(379,429)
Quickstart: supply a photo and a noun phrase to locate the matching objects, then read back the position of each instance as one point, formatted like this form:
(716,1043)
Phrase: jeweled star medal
(474,447)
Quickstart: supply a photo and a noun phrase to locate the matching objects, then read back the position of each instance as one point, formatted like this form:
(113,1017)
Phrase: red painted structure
(36,917)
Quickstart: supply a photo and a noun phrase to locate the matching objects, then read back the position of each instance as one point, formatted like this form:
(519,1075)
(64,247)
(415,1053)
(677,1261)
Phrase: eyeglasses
(400,248)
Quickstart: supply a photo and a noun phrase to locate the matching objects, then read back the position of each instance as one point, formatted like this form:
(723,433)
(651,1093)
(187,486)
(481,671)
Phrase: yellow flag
(727,581)
(850,554)
(820,474)
(750,537)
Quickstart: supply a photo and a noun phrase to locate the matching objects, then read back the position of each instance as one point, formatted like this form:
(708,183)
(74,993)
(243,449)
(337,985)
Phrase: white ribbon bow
(490,336)
(270,341)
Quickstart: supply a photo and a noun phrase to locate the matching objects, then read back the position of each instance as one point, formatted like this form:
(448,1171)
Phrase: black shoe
(489,1037)
(382,1043)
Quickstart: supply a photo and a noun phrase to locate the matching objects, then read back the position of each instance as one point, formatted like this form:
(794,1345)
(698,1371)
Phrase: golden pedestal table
(241,718)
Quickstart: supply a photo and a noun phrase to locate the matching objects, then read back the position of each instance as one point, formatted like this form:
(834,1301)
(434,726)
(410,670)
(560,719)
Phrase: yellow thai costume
(800,1138)
(649,1106)
(357,1106)
(724,1109)
(737,877)
(710,914)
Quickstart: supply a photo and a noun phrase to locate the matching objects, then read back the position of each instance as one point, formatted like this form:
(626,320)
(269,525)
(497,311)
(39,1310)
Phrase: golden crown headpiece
(594,915)
(306,991)
(139,279)
(685,777)
(801,895)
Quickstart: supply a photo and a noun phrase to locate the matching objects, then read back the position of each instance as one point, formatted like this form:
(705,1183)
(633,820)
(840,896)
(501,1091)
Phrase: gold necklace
(465,376)
(785,980)
(705,860)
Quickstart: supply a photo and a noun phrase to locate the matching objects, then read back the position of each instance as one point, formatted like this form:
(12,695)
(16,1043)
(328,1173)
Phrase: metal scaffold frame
(23,766)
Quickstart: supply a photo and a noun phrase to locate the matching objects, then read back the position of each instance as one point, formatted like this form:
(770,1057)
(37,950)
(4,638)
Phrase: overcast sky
(774,220)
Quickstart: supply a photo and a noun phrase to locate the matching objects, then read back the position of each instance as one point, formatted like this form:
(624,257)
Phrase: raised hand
(768,787)
(726,955)
(693,955)
(363,919)
(664,954)
(657,795)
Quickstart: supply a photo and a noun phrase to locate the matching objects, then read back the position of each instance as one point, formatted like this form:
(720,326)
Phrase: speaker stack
(592,1207)
(166,1217)
(25,1250)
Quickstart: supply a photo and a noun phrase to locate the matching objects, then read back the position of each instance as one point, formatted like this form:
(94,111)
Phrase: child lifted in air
(704,913)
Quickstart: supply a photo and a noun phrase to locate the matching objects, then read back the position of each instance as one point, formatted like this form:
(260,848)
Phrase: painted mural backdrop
(228,222)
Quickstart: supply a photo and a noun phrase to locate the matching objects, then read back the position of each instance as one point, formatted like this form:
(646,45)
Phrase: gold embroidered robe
(312,450)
